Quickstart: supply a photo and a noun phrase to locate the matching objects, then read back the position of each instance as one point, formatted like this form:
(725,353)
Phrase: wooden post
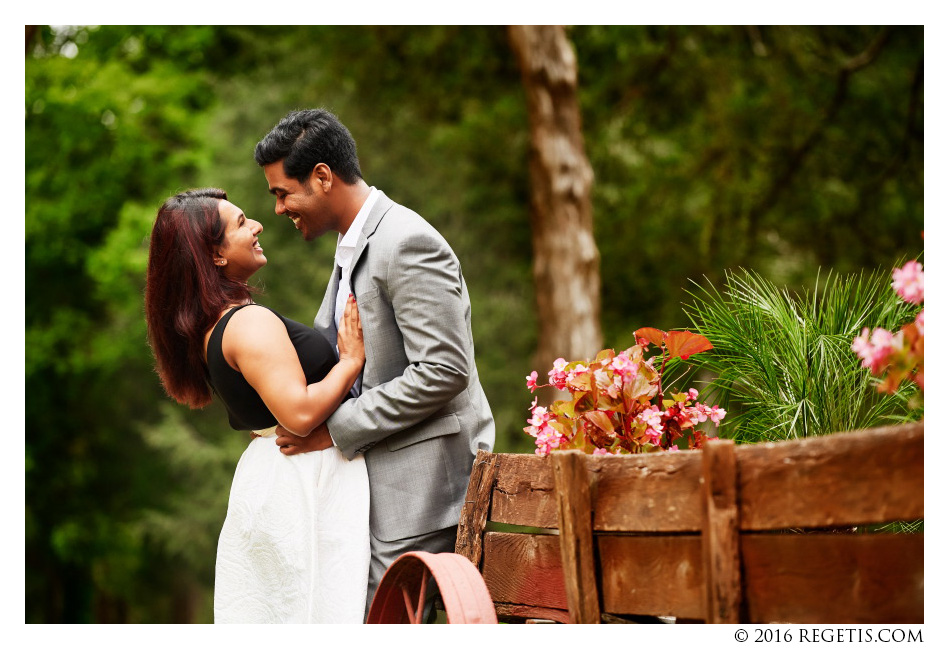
(720,533)
(575,509)
(474,513)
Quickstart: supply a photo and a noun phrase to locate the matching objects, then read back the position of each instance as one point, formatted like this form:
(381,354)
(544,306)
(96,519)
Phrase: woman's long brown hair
(185,292)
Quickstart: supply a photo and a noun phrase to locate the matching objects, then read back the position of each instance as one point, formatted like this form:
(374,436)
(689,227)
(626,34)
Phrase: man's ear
(322,176)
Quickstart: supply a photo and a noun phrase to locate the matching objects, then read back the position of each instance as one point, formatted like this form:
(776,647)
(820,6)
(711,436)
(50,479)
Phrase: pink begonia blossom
(699,413)
(532,381)
(655,436)
(621,363)
(716,414)
(558,377)
(539,417)
(652,417)
(547,440)
(875,349)
(908,282)
(919,323)
(578,370)
(601,451)
(693,394)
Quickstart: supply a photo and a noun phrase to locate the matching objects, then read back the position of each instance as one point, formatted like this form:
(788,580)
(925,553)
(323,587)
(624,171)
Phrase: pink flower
(558,377)
(547,440)
(540,416)
(577,371)
(699,413)
(655,436)
(532,381)
(881,338)
(919,323)
(621,363)
(716,414)
(693,394)
(874,350)
(652,417)
(908,282)
(601,451)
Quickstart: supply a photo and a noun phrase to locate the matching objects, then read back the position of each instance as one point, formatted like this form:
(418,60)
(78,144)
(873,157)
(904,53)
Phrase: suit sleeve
(425,288)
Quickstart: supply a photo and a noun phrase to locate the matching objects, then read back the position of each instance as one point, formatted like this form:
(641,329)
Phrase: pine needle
(782,365)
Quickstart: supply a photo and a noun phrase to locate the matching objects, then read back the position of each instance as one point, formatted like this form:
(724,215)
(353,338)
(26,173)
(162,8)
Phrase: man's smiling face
(306,204)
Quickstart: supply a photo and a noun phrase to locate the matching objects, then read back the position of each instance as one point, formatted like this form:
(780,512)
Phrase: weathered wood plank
(575,505)
(524,569)
(474,512)
(508,612)
(720,546)
(834,578)
(523,494)
(652,575)
(647,493)
(657,492)
(874,475)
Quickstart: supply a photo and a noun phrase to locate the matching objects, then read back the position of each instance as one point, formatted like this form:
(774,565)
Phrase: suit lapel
(383,204)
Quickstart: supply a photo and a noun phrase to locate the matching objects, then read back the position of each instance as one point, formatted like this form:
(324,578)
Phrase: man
(420,416)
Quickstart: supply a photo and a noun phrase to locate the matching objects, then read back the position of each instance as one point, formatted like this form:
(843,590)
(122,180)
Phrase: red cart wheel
(400,597)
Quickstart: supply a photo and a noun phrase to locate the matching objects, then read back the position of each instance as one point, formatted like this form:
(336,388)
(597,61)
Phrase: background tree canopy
(780,149)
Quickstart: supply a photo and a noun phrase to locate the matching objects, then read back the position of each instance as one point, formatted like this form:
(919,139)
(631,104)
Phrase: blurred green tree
(112,123)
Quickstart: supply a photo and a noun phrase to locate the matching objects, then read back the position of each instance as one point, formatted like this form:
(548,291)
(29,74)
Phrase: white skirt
(295,544)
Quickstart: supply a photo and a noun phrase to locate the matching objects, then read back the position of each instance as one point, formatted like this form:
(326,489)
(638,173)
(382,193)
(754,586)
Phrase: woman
(295,543)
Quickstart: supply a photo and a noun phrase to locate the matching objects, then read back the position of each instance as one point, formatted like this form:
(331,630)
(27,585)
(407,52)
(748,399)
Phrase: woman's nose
(258,227)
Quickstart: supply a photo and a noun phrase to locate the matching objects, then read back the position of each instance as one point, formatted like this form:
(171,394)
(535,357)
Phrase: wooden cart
(754,533)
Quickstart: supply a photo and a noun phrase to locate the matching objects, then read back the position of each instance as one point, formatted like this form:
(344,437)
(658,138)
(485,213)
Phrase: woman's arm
(257,343)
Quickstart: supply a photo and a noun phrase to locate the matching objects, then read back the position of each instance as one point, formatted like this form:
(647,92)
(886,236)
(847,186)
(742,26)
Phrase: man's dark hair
(303,139)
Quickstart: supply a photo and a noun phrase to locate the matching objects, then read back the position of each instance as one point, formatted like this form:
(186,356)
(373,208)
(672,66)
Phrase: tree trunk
(566,259)
(30,33)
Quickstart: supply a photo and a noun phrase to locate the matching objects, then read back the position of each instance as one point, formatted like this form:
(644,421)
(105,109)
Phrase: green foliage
(723,146)
(782,365)
(104,144)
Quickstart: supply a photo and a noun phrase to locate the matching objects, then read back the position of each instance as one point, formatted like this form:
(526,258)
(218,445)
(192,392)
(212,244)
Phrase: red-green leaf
(605,354)
(601,420)
(654,336)
(683,344)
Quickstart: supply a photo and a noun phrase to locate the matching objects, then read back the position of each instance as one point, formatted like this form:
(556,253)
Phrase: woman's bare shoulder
(255,325)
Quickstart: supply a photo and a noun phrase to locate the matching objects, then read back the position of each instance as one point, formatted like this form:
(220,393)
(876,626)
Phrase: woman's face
(239,254)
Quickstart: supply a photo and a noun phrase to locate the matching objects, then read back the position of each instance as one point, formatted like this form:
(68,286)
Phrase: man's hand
(318,440)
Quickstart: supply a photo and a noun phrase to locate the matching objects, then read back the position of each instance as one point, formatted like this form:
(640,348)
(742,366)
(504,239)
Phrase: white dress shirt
(345,248)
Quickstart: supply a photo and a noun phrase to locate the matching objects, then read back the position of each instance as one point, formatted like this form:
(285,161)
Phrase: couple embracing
(366,425)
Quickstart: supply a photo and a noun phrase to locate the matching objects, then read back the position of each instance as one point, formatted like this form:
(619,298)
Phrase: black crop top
(245,408)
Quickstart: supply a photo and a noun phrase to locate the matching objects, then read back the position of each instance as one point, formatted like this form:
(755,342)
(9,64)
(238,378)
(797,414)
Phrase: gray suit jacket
(422,415)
